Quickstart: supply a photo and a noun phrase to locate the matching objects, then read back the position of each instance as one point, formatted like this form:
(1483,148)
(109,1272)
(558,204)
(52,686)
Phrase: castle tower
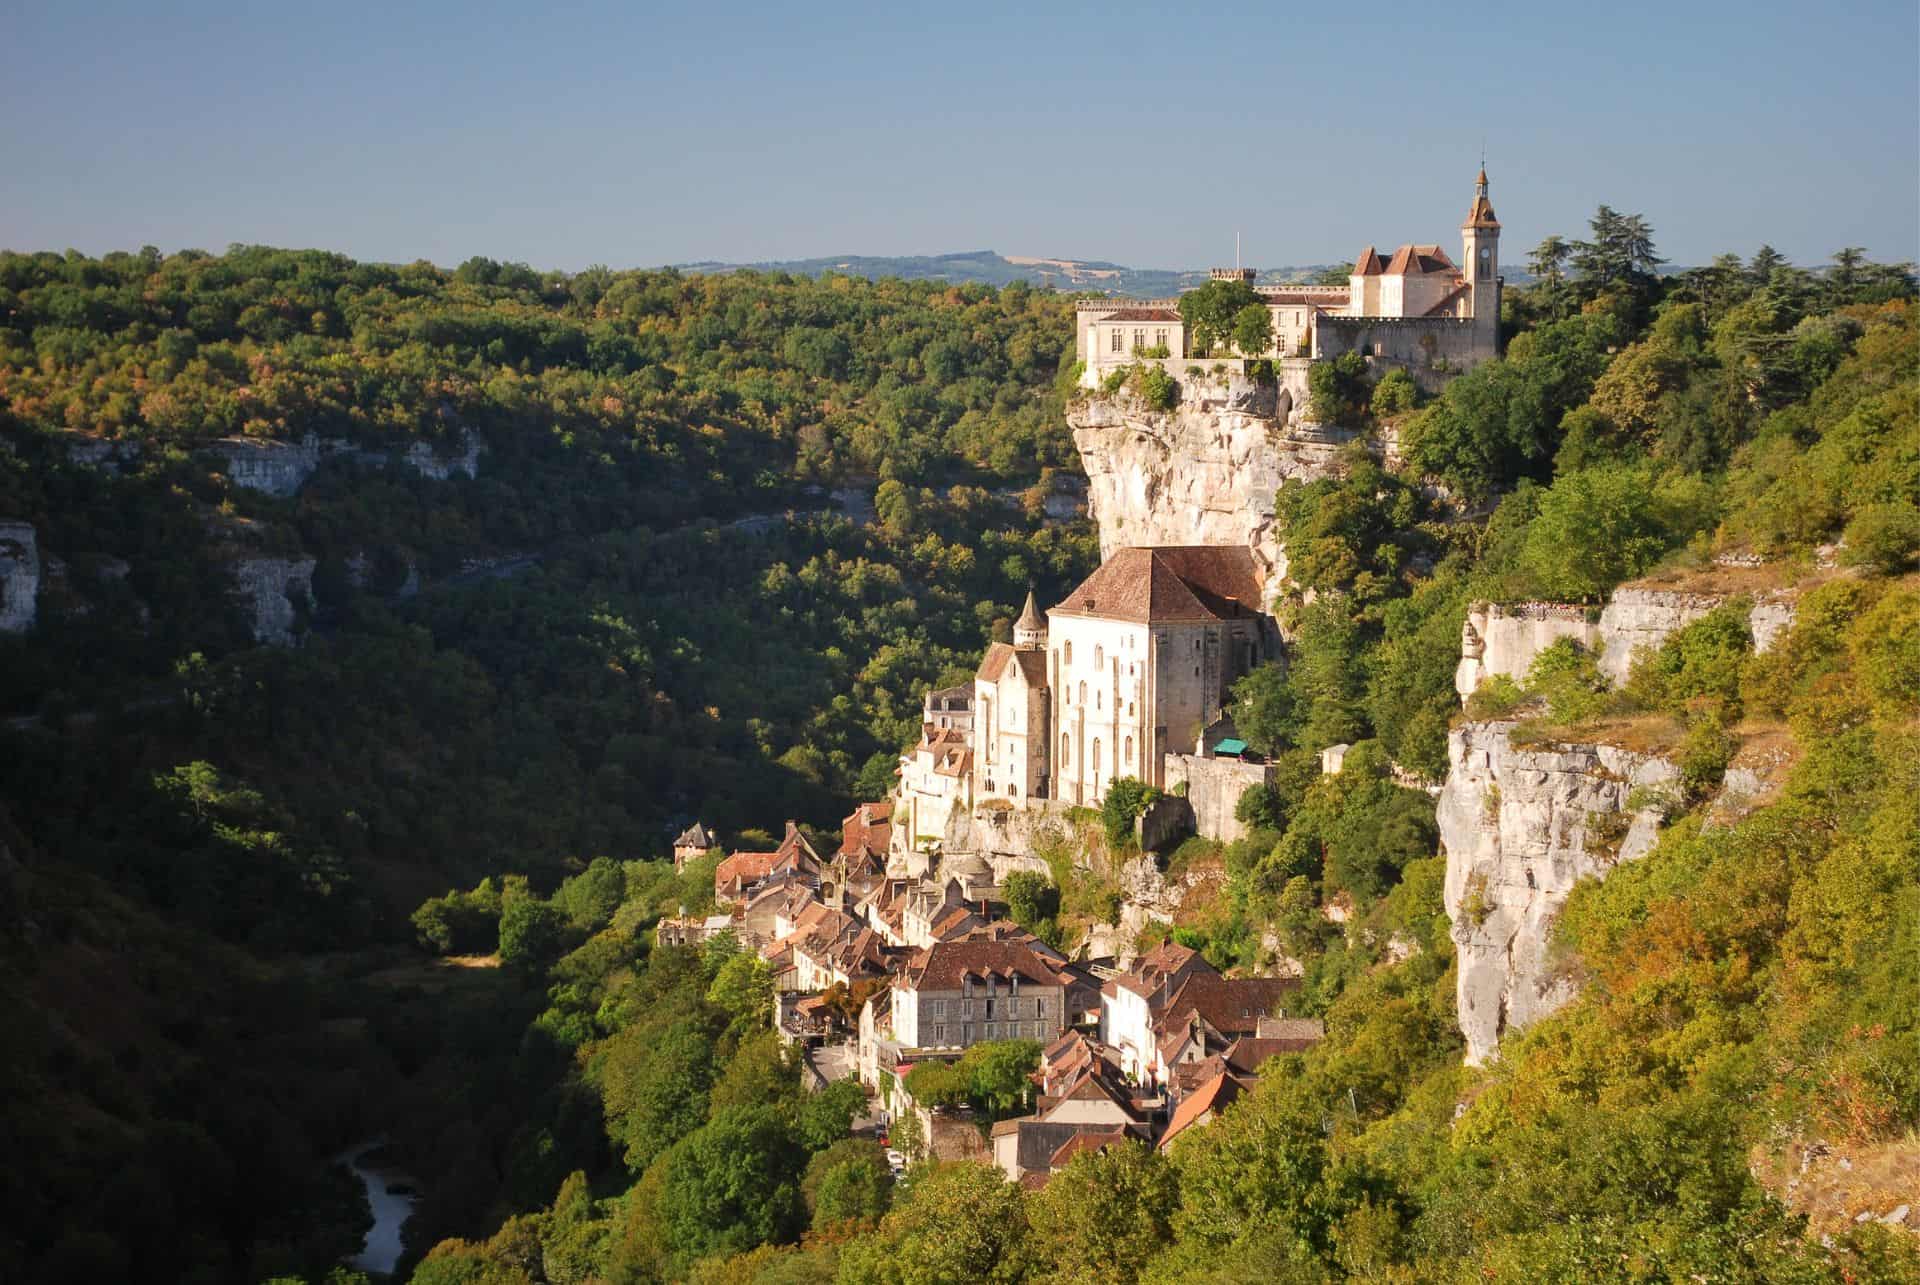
(1480,246)
(1030,631)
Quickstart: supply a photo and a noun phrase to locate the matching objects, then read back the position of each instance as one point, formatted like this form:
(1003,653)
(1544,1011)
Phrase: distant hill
(989,267)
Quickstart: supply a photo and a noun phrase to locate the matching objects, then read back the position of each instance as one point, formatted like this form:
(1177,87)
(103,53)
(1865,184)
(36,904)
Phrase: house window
(939,1035)
(1118,340)
(1139,340)
(1159,339)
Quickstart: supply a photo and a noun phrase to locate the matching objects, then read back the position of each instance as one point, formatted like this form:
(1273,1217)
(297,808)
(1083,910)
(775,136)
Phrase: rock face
(269,588)
(282,468)
(1506,639)
(1521,825)
(19,577)
(1202,473)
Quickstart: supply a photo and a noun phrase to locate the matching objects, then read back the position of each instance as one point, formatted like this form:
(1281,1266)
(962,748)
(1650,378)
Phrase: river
(390,1209)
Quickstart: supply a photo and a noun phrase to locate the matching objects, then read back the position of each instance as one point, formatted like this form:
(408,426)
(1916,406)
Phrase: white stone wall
(19,577)
(1101,704)
(1214,787)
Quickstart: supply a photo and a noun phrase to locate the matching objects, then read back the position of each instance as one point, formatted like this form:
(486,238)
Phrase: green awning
(1231,745)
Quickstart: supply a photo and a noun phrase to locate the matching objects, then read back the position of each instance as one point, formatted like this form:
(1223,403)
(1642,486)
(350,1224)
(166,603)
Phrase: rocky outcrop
(275,592)
(1505,640)
(19,577)
(1202,473)
(1520,826)
(282,468)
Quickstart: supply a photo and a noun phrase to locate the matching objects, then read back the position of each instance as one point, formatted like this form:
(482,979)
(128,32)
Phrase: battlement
(1232,274)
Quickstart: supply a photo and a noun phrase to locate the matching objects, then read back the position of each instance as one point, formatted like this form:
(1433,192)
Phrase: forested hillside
(188,816)
(213,847)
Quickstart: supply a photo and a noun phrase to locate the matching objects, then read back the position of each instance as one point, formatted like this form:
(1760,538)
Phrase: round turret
(1030,631)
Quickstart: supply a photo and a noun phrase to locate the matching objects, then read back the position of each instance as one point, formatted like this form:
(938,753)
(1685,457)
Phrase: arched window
(1083,692)
(1096,698)
(1069,652)
(1099,656)
(1126,752)
(1066,752)
(1196,644)
(1096,757)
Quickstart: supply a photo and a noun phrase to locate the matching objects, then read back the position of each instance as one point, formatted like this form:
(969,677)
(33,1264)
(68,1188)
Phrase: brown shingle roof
(942,965)
(1170,583)
(1230,1005)
(1142,314)
(1368,264)
(1033,664)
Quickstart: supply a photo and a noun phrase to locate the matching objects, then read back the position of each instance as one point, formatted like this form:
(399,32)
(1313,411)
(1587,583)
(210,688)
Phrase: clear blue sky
(565,134)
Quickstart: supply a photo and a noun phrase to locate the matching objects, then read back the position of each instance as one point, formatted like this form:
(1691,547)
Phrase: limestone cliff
(274,591)
(19,577)
(1202,473)
(282,468)
(1505,639)
(1520,826)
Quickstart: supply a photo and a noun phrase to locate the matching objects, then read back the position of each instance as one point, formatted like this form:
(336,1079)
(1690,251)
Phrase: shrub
(1882,538)
(1394,393)
(1156,387)
(1126,799)
(1704,756)
(1496,697)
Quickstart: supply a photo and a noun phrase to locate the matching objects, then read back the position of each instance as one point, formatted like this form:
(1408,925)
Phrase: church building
(1134,661)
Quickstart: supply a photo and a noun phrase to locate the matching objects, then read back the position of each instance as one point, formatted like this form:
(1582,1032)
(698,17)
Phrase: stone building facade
(1135,660)
(1414,309)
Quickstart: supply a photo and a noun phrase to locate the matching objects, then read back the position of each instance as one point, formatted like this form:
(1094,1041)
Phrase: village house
(859,864)
(694,842)
(936,777)
(691,931)
(741,874)
(1173,1007)
(1415,309)
(955,994)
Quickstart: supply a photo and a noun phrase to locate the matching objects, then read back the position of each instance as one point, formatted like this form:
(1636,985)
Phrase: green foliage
(1032,900)
(1253,330)
(1883,537)
(950,1222)
(1701,662)
(531,933)
(848,1181)
(1154,386)
(1394,394)
(1126,798)
(1103,1217)
(1212,314)
(461,923)
(731,1185)
(1599,526)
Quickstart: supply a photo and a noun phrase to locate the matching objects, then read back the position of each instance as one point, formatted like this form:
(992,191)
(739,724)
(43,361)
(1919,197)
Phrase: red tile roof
(1142,314)
(1368,264)
(1230,1005)
(1419,260)
(1211,1097)
(1173,583)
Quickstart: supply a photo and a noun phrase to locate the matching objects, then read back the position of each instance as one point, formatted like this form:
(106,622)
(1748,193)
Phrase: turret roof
(1030,617)
(1480,214)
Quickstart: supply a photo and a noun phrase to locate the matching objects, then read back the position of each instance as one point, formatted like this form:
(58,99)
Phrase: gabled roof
(1445,306)
(1419,260)
(1230,1005)
(943,965)
(1368,264)
(867,831)
(1211,1097)
(1088,1086)
(1142,314)
(1032,664)
(695,836)
(1170,583)
(1091,1140)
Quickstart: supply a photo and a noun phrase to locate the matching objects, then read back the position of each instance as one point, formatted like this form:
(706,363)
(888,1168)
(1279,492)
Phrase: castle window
(1126,754)
(1099,656)
(1083,693)
(1064,751)
(1096,757)
(1119,339)
(1096,698)
(1069,653)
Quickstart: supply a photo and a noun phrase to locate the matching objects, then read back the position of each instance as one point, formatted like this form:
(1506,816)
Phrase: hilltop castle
(1416,309)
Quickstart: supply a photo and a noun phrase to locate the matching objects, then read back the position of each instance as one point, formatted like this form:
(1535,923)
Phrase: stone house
(1011,714)
(743,873)
(949,709)
(1131,1003)
(936,777)
(955,994)
(694,842)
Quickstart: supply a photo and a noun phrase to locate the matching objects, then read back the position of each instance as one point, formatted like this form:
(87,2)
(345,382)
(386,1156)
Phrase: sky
(567,134)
